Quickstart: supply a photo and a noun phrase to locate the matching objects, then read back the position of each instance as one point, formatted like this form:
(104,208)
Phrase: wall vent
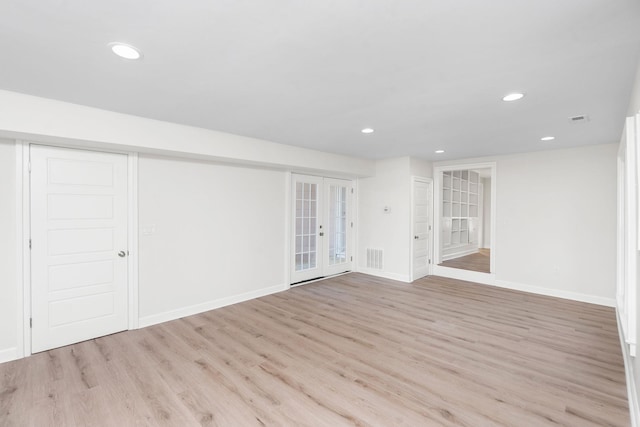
(579,119)
(374,258)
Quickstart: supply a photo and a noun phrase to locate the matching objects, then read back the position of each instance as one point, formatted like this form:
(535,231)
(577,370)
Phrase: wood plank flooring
(352,350)
(480,261)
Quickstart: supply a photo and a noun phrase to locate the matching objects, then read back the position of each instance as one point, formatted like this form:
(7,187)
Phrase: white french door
(78,245)
(322,227)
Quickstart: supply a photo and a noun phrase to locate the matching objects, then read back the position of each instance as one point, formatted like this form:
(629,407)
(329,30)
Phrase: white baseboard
(468,275)
(490,279)
(385,275)
(461,253)
(575,296)
(632,392)
(8,354)
(209,305)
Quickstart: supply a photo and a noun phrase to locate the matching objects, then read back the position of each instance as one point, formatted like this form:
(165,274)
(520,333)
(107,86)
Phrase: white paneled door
(421,247)
(78,245)
(322,227)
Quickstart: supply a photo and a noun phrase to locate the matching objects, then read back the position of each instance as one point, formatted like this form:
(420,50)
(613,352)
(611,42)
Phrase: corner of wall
(8,354)
(420,167)
(385,274)
(632,392)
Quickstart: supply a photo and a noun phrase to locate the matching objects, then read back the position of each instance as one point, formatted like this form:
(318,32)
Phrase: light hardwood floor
(352,350)
(480,261)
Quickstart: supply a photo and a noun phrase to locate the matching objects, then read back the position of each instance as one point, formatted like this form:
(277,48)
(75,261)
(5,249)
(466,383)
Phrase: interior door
(421,248)
(322,227)
(78,245)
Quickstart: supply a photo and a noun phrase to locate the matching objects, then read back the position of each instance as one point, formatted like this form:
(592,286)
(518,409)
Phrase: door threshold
(317,279)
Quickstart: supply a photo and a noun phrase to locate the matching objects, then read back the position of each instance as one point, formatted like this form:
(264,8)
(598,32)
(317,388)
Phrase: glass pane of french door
(337,230)
(306,217)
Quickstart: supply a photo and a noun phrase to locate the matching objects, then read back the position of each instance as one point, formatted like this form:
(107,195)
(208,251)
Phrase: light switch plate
(148,230)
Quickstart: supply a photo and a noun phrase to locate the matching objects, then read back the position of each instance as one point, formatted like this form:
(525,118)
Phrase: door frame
(429,182)
(439,270)
(352,217)
(23,218)
(319,218)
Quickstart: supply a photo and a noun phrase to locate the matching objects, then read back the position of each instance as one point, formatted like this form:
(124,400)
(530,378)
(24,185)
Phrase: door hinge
(429,261)
(352,191)
(29,166)
(29,243)
(351,224)
(31,322)
(351,258)
(429,228)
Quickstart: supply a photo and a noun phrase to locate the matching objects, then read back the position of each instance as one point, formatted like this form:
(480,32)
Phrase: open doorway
(464,219)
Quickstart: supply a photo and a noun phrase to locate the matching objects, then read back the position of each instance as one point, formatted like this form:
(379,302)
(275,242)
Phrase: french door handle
(321,233)
(416,237)
(122,254)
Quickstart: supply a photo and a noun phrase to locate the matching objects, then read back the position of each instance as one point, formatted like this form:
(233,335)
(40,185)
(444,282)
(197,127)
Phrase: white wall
(420,168)
(391,232)
(46,120)
(634,103)
(8,256)
(219,235)
(556,222)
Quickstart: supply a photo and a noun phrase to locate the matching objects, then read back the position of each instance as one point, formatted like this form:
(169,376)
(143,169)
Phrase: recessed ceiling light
(367,130)
(439,151)
(513,97)
(548,138)
(125,51)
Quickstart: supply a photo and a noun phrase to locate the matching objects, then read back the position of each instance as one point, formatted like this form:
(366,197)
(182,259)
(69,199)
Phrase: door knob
(321,234)
(122,254)
(416,237)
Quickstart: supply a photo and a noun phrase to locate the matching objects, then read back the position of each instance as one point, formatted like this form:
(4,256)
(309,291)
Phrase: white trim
(19,349)
(288,228)
(209,305)
(470,250)
(569,295)
(352,202)
(437,203)
(23,195)
(25,254)
(635,176)
(9,354)
(132,237)
(632,392)
(481,231)
(467,275)
(429,182)
(385,275)
(626,271)
(355,218)
(493,255)
(490,279)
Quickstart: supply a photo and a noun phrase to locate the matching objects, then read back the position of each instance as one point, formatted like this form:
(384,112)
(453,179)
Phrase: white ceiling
(424,74)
